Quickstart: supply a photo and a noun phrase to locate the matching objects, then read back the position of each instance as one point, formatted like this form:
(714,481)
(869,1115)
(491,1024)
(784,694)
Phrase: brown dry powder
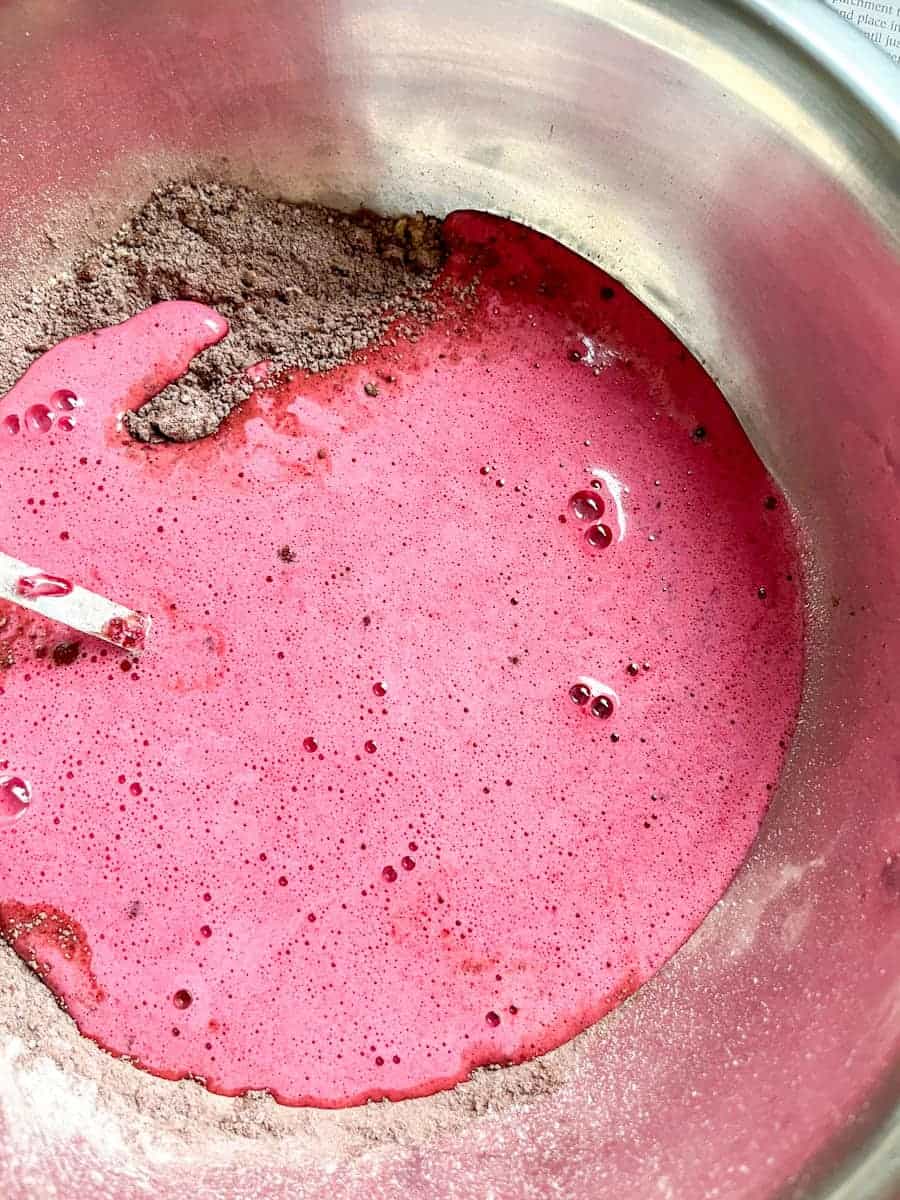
(300,285)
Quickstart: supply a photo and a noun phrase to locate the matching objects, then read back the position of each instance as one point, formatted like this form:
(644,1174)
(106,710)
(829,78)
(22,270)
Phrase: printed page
(879,20)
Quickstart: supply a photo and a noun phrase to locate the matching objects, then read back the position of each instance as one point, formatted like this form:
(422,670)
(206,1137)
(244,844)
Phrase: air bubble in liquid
(39,419)
(586,506)
(65,400)
(598,537)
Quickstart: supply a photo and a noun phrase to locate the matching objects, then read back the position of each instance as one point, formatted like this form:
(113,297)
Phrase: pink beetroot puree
(462,703)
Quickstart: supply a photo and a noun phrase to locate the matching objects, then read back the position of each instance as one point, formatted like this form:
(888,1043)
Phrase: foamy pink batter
(342,831)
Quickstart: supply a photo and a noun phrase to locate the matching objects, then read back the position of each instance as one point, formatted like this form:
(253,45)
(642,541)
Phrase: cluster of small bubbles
(41,418)
(593,697)
(586,506)
(129,631)
(64,401)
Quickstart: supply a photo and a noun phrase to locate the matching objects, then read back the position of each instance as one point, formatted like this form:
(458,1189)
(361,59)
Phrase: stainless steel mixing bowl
(736,163)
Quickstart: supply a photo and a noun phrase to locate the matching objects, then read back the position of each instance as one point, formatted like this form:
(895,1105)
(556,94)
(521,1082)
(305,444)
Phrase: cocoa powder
(300,285)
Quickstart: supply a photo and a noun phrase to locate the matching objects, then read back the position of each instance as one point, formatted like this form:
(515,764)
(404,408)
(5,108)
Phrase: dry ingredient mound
(300,285)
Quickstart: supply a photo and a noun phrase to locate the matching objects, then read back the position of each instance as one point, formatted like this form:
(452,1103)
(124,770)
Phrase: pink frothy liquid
(462,704)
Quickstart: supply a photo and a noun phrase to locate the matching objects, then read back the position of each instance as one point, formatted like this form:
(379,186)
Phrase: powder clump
(301,285)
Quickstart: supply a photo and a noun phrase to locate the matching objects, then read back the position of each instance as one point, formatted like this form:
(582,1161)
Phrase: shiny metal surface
(737,165)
